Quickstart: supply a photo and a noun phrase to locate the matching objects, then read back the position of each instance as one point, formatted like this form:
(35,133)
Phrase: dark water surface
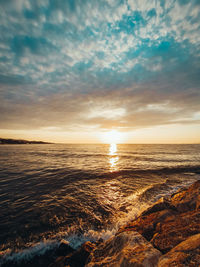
(83,192)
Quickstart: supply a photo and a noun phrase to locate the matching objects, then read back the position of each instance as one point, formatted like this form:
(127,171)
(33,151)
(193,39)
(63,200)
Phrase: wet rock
(171,232)
(125,249)
(187,199)
(161,204)
(184,223)
(77,258)
(187,253)
(64,249)
(198,203)
(146,225)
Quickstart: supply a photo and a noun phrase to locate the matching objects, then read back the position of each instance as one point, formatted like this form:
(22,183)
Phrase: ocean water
(83,192)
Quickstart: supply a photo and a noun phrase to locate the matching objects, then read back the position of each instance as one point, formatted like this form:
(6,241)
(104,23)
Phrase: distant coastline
(4,141)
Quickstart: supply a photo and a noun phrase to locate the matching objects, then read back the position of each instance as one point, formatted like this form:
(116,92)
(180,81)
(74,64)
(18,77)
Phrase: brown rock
(187,253)
(161,204)
(187,199)
(88,246)
(146,225)
(170,233)
(80,256)
(125,249)
(60,253)
(198,203)
(63,249)
(169,222)
(77,258)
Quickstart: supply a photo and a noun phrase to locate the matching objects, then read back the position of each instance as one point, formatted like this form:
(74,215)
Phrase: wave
(164,189)
(87,175)
(163,170)
(8,258)
(144,197)
(46,250)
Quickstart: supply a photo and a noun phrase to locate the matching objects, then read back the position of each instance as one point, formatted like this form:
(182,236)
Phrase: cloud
(126,64)
(129,108)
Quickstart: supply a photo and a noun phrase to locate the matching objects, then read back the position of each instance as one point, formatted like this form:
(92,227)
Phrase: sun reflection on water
(112,149)
(113,160)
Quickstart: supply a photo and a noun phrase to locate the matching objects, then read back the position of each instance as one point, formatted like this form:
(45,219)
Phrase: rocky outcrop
(187,199)
(77,258)
(187,253)
(170,221)
(146,224)
(125,249)
(175,230)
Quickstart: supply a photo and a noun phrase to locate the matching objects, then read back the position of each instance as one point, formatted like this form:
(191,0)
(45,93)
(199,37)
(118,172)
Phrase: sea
(76,193)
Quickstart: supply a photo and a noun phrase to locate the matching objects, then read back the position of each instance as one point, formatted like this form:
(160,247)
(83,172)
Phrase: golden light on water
(112,149)
(113,163)
(113,160)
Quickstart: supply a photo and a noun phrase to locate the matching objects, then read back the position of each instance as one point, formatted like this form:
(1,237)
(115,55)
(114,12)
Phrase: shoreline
(165,234)
(9,141)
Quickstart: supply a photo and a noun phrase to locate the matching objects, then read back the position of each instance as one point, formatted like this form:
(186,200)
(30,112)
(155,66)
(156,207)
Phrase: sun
(112,137)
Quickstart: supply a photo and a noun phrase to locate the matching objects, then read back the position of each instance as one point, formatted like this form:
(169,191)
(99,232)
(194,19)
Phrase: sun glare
(112,137)
(112,149)
(113,159)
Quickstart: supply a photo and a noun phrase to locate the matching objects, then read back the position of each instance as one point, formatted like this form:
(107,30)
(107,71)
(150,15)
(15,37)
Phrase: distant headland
(20,141)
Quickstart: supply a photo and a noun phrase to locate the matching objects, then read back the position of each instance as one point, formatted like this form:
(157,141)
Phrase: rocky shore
(166,234)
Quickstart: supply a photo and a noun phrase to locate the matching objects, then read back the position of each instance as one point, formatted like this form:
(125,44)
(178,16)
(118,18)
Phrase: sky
(74,71)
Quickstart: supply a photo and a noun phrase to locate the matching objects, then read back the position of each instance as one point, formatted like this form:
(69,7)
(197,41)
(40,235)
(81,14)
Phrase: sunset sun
(112,137)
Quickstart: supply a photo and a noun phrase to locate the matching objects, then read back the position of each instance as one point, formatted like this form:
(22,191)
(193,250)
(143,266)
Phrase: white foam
(28,253)
(76,240)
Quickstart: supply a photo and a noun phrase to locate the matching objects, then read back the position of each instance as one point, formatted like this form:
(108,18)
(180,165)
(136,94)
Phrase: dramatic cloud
(100,64)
